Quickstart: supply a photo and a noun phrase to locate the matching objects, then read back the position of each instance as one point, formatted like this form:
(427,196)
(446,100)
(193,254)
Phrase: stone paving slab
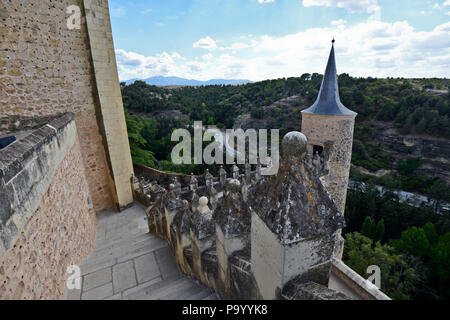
(99,293)
(141,287)
(154,291)
(129,263)
(97,279)
(146,267)
(124,276)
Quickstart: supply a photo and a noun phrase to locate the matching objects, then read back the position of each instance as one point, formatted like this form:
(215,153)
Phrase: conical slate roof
(328,102)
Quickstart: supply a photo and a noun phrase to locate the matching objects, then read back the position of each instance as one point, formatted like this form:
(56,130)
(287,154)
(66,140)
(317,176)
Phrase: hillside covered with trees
(406,106)
(412,108)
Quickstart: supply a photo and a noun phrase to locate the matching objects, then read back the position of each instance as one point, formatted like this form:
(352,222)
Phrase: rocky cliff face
(285,114)
(434,152)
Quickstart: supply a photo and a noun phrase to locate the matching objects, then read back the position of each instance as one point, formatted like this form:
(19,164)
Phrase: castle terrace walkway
(129,263)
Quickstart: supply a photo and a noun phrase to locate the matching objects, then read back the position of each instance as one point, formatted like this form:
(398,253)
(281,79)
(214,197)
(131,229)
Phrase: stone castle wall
(47,223)
(47,69)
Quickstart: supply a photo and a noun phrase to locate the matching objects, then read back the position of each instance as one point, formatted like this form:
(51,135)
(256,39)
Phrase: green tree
(400,279)
(440,261)
(409,166)
(438,193)
(138,143)
(414,241)
(379,231)
(358,97)
(368,227)
(430,232)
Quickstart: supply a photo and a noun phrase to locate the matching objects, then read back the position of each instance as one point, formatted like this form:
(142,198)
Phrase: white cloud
(207,56)
(371,48)
(134,65)
(265,1)
(441,7)
(240,45)
(338,22)
(445,27)
(350,5)
(206,43)
(147,11)
(118,12)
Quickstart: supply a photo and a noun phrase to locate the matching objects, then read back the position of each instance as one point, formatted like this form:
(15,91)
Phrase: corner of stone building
(108,100)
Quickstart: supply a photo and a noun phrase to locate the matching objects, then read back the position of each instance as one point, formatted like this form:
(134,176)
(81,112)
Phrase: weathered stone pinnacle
(294,204)
(232,213)
(294,145)
(233,185)
(203,208)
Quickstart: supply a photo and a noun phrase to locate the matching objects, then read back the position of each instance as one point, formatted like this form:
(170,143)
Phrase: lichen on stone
(293,203)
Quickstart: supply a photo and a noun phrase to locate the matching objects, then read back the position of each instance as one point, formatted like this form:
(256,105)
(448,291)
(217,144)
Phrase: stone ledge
(13,157)
(311,291)
(26,170)
(14,123)
(356,282)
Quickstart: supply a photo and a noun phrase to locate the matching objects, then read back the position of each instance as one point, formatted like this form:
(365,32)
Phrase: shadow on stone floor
(128,263)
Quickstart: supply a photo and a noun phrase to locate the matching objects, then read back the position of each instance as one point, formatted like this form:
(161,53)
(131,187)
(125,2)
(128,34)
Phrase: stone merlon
(232,213)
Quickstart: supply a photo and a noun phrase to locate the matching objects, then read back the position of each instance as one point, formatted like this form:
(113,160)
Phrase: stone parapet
(352,282)
(46,217)
(26,170)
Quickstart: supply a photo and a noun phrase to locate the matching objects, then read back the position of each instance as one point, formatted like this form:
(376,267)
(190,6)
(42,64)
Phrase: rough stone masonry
(46,223)
(47,69)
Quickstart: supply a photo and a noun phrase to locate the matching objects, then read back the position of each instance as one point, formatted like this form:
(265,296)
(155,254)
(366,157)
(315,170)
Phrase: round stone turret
(329,126)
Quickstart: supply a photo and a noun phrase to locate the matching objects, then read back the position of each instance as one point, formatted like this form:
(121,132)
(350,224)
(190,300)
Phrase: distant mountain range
(176,81)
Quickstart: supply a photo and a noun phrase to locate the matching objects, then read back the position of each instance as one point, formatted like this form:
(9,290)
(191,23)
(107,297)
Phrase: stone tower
(294,225)
(329,126)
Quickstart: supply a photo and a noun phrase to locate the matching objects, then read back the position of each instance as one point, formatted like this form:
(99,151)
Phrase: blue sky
(261,39)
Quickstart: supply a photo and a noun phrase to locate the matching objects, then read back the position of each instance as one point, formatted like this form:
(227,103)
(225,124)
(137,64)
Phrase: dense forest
(407,103)
(410,244)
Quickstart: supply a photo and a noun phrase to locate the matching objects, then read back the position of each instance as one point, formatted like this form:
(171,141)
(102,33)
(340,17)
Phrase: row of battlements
(230,232)
(148,178)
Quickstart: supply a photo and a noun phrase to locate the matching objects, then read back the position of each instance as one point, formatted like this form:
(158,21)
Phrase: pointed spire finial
(328,101)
